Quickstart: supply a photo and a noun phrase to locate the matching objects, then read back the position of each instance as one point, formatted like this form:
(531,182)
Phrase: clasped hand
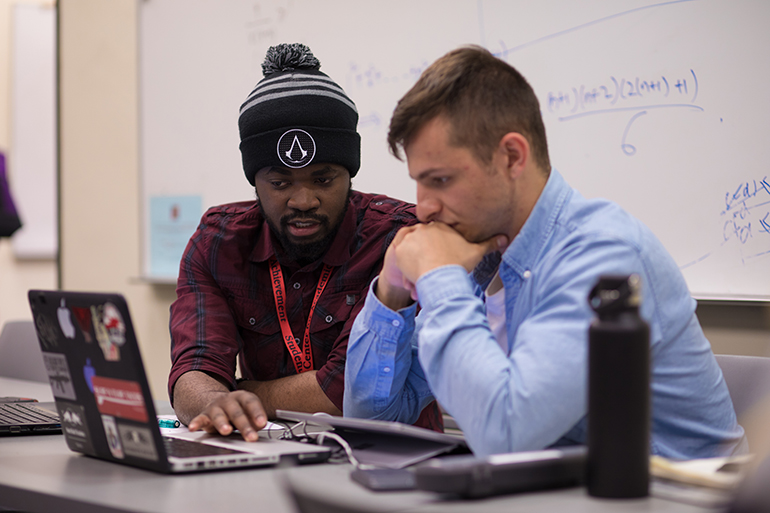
(420,248)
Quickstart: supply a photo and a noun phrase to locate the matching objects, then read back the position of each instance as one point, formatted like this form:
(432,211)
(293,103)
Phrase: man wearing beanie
(276,283)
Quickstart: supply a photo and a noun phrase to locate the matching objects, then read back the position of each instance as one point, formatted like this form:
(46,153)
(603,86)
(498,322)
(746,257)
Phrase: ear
(515,153)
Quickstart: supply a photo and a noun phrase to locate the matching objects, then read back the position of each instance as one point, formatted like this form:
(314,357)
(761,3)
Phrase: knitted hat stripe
(265,86)
(303,92)
(290,77)
(295,84)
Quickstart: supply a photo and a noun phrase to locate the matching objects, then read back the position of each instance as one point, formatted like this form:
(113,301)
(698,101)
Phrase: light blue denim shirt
(534,395)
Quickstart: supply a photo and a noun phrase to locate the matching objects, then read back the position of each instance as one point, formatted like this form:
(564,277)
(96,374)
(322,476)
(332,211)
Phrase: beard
(306,253)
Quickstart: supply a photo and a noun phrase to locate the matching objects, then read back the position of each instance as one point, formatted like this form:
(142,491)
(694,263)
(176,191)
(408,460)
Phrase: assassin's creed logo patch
(296,148)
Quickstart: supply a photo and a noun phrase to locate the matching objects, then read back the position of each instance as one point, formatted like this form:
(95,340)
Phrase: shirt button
(396,323)
(329,318)
(378,202)
(296,339)
(527,274)
(252,321)
(386,369)
(297,285)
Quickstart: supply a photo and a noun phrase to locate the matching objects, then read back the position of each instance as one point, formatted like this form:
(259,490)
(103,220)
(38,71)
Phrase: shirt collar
(339,250)
(524,251)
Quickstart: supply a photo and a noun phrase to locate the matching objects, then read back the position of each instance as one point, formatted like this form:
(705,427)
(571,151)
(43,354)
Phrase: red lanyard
(302,358)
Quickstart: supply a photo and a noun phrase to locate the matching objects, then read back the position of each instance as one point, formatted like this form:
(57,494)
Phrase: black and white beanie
(297,115)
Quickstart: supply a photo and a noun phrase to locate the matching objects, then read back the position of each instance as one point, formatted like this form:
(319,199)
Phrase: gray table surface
(40,474)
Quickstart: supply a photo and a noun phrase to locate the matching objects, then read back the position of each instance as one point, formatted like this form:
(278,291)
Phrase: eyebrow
(323,171)
(428,172)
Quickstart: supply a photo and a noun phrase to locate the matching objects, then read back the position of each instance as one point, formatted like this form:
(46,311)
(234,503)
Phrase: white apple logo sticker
(65,321)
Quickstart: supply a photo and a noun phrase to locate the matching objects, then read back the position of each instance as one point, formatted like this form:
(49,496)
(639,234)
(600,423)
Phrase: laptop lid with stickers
(103,398)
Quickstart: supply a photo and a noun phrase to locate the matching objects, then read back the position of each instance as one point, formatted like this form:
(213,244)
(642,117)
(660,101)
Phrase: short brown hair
(482,97)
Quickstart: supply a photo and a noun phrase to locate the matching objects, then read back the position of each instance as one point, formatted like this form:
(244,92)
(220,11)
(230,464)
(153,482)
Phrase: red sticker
(120,398)
(83,316)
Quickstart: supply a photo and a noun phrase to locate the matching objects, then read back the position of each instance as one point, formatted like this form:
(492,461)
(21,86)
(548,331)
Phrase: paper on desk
(702,482)
(689,494)
(708,472)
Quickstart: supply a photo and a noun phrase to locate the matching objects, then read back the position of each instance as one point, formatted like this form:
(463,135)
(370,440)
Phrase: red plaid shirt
(225,307)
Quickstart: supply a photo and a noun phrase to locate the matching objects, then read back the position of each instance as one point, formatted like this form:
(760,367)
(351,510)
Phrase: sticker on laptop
(120,398)
(75,427)
(113,439)
(113,322)
(88,373)
(47,332)
(65,320)
(137,442)
(59,375)
(83,318)
(111,351)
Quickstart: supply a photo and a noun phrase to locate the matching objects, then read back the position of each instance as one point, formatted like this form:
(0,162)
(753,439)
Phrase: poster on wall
(173,219)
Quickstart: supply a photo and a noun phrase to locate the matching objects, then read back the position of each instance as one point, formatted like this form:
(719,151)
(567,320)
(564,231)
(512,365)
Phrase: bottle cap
(614,294)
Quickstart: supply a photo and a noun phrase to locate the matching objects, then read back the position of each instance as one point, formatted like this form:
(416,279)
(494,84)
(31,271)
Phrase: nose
(428,207)
(303,199)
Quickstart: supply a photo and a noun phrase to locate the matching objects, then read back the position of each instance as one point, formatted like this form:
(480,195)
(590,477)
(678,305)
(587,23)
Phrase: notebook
(19,416)
(103,399)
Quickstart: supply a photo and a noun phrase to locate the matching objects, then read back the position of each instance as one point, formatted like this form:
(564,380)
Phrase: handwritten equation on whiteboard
(639,94)
(372,77)
(746,217)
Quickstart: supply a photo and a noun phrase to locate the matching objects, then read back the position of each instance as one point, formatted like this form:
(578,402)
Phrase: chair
(20,355)
(747,378)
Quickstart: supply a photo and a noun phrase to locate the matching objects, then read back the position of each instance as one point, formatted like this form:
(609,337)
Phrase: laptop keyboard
(25,413)
(188,449)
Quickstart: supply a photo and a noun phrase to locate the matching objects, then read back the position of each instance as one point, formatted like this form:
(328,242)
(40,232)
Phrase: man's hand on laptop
(239,410)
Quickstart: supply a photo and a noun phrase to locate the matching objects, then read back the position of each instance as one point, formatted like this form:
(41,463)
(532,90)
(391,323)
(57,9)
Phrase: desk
(40,474)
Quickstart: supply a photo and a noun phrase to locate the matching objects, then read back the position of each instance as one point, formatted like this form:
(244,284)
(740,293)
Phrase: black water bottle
(618,391)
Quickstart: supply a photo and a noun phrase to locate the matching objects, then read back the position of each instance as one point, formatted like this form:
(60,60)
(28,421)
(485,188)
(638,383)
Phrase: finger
(202,422)
(249,417)
(408,285)
(220,422)
(403,232)
(198,422)
(245,412)
(496,243)
(483,248)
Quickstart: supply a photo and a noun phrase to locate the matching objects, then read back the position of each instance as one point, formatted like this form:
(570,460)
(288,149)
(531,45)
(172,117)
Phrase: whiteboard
(654,105)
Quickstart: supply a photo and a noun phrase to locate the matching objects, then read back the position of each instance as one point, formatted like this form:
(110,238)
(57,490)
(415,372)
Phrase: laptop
(25,416)
(383,444)
(103,399)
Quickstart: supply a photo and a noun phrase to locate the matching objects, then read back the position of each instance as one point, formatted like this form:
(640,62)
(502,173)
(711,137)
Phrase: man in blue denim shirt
(503,349)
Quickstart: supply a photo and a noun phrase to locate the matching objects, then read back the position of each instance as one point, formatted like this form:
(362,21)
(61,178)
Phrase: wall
(16,276)
(100,183)
(99,169)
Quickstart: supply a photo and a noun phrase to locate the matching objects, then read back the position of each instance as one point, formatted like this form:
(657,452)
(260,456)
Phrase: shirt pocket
(253,316)
(331,314)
